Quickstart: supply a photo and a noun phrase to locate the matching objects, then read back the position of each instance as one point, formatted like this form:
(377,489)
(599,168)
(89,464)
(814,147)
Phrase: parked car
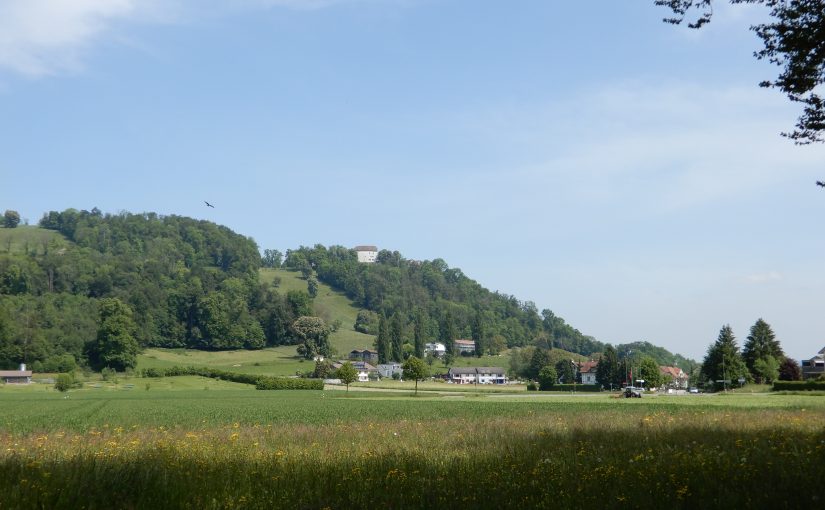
(693,390)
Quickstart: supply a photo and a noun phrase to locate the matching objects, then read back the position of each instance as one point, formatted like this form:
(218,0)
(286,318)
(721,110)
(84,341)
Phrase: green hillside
(31,240)
(330,305)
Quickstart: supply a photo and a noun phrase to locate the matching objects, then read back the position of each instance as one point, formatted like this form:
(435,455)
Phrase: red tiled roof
(674,372)
(588,366)
(15,373)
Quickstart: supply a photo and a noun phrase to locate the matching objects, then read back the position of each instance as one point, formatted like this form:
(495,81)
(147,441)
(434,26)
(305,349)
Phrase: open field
(232,447)
(275,361)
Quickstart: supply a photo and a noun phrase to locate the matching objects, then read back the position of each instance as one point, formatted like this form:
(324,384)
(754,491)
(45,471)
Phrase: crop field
(227,446)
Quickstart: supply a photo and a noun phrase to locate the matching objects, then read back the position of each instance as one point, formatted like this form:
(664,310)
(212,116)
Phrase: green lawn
(275,361)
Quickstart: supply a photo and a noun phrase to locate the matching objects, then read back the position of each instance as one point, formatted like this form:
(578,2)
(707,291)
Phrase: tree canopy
(793,39)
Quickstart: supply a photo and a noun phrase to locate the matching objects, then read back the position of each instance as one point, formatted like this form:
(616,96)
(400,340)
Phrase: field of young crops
(232,447)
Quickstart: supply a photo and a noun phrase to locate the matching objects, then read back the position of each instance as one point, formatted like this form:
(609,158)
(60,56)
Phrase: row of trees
(761,360)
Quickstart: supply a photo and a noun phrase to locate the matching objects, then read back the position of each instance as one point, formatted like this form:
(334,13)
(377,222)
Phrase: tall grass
(613,458)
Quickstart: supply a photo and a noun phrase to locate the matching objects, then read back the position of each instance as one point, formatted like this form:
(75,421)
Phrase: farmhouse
(364,355)
(364,369)
(438,349)
(465,346)
(477,375)
(366,254)
(21,376)
(390,369)
(815,366)
(587,370)
(678,378)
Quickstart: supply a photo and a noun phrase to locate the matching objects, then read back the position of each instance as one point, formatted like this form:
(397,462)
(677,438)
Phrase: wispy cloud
(770,276)
(46,37)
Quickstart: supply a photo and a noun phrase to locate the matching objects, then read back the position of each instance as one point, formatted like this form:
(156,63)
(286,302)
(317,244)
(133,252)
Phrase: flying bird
(820,183)
(208,204)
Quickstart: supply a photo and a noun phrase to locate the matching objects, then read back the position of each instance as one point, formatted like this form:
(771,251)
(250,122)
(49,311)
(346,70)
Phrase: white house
(363,368)
(388,369)
(678,377)
(477,375)
(438,349)
(465,346)
(366,254)
(587,370)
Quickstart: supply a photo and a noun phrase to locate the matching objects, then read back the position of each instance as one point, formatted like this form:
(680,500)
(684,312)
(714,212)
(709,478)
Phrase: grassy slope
(27,238)
(330,305)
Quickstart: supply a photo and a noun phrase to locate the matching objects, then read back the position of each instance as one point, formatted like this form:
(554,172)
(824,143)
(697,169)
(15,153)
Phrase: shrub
(64,382)
(283,383)
(585,388)
(531,386)
(809,385)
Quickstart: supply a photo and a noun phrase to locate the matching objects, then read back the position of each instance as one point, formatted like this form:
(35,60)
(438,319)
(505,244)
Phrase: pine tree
(396,337)
(447,334)
(723,361)
(382,342)
(477,328)
(761,345)
(418,333)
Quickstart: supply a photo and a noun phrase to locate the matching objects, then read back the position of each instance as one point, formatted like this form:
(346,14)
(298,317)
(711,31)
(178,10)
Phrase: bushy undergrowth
(810,385)
(697,459)
(283,383)
(260,382)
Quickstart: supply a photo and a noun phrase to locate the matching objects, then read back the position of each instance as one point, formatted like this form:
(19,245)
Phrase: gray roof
(366,248)
(477,370)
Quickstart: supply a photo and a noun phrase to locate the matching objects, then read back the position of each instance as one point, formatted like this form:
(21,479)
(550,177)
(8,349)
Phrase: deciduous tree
(115,346)
(347,374)
(416,370)
(11,219)
(794,39)
(547,377)
(314,334)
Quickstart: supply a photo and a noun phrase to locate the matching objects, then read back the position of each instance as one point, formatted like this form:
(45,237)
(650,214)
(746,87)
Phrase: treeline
(437,302)
(188,283)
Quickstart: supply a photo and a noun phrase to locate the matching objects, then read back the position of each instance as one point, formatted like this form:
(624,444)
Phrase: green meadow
(189,442)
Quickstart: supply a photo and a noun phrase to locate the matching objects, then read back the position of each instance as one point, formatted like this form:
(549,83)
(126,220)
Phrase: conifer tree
(762,345)
(723,362)
(396,337)
(418,333)
(382,342)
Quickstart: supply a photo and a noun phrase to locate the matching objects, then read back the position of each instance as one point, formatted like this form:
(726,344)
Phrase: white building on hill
(367,254)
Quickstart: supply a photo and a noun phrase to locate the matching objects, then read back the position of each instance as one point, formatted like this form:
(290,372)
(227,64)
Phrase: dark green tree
(115,346)
(608,373)
(416,370)
(762,344)
(11,219)
(477,333)
(723,362)
(447,333)
(540,359)
(383,343)
(272,259)
(794,40)
(312,286)
(397,337)
(418,334)
(547,377)
(566,371)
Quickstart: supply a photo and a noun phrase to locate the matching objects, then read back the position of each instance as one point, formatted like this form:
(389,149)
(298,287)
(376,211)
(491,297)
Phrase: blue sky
(627,174)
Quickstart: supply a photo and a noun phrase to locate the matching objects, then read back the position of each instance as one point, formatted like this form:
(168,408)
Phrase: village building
(366,355)
(366,254)
(364,369)
(21,376)
(390,369)
(477,375)
(587,371)
(678,379)
(815,366)
(437,348)
(465,347)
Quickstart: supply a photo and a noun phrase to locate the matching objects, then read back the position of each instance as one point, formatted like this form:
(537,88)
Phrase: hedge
(260,382)
(283,383)
(584,388)
(799,386)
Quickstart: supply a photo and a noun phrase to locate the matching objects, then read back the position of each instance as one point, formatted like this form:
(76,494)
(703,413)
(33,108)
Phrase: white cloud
(45,37)
(770,276)
(39,37)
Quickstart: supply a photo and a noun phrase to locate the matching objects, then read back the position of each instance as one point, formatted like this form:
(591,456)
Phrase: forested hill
(442,301)
(194,284)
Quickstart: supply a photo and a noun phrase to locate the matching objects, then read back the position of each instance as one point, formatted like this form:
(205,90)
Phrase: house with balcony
(814,367)
(477,375)
(364,369)
(465,347)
